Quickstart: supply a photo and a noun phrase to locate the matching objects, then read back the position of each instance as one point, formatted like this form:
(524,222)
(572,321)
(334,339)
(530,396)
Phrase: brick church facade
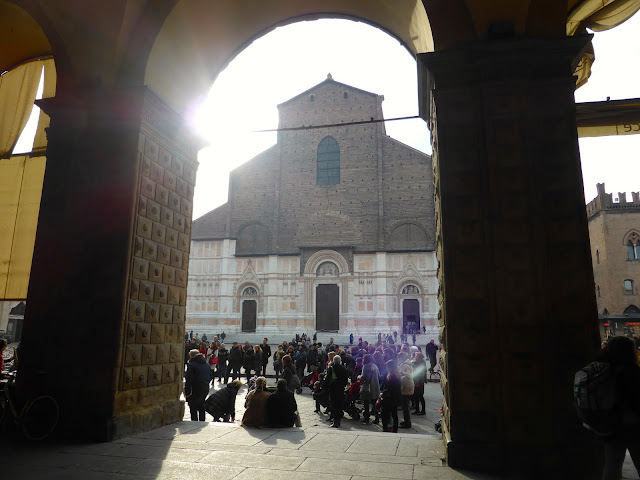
(330,229)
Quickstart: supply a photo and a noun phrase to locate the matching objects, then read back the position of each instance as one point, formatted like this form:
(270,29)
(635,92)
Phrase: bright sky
(291,59)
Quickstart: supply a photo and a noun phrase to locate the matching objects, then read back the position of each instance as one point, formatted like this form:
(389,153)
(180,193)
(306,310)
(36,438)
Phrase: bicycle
(37,417)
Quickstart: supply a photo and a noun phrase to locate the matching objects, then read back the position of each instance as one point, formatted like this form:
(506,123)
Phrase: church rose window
(328,164)
(410,290)
(249,292)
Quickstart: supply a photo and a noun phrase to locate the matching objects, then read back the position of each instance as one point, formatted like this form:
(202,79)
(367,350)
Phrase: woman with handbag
(277,361)
(289,373)
(370,389)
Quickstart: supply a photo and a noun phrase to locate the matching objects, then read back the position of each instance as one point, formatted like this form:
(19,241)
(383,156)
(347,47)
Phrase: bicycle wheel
(40,418)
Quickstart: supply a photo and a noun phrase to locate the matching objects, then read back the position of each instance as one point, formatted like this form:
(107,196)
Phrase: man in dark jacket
(197,384)
(266,354)
(281,406)
(300,359)
(222,404)
(337,379)
(223,358)
(235,361)
(431,350)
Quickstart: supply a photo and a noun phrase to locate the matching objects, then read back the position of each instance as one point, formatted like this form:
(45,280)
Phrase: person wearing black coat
(248,362)
(337,378)
(222,404)
(197,384)
(266,354)
(235,361)
(281,406)
(223,358)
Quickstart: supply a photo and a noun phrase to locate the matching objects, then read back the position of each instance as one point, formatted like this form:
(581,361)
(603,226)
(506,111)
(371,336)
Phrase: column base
(145,419)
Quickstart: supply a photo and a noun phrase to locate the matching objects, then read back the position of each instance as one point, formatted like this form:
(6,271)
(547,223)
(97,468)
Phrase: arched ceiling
(183,64)
(21,37)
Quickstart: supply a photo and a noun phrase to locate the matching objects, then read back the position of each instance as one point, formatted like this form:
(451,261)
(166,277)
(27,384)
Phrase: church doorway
(249,309)
(410,315)
(327,308)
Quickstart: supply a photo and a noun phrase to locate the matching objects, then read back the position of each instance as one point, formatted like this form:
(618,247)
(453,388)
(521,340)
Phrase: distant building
(331,229)
(614,230)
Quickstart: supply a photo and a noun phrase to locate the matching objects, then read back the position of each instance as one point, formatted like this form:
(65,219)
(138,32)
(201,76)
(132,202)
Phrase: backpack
(595,397)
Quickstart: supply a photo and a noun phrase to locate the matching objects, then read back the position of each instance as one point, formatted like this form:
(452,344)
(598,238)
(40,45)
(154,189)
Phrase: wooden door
(249,311)
(327,308)
(410,316)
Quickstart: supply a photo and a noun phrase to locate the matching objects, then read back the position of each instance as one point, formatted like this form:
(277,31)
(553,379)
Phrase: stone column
(518,311)
(106,302)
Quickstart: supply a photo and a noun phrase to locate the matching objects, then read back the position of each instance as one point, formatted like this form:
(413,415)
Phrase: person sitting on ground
(255,414)
(281,406)
(222,404)
(197,384)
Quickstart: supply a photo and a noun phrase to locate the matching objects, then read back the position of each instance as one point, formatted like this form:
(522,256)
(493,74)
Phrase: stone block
(126,378)
(162,195)
(166,313)
(155,272)
(159,232)
(153,211)
(149,353)
(125,401)
(181,278)
(143,333)
(144,227)
(155,375)
(151,150)
(177,166)
(189,175)
(175,352)
(182,189)
(172,238)
(132,355)
(140,268)
(170,334)
(174,295)
(123,425)
(146,291)
(148,188)
(178,222)
(152,311)
(170,181)
(162,354)
(164,254)
(139,377)
(164,159)
(172,412)
(178,315)
(161,293)
(169,275)
(136,311)
(142,206)
(176,258)
(183,297)
(131,333)
(186,208)
(168,373)
(150,250)
(156,173)
(134,288)
(174,201)
(166,217)
(157,333)
(183,242)
(185,262)
(138,246)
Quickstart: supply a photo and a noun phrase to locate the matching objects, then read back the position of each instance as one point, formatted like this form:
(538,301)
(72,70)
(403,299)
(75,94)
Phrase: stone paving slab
(366,469)
(161,469)
(271,462)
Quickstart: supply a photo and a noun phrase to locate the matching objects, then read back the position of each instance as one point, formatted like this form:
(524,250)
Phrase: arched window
(328,164)
(249,292)
(628,287)
(632,309)
(631,251)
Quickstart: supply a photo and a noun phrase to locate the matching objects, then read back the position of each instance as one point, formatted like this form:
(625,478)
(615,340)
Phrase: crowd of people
(385,376)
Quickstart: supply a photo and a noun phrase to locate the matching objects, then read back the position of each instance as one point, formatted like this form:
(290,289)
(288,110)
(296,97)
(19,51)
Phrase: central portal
(327,308)
(410,316)
(249,311)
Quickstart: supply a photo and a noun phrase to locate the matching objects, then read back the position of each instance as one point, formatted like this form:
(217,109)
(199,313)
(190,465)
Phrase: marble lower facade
(274,294)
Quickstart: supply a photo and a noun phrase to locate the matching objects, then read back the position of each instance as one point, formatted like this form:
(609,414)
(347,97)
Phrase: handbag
(294,383)
(213,361)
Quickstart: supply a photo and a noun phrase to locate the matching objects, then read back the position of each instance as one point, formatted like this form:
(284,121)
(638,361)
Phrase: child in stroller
(352,399)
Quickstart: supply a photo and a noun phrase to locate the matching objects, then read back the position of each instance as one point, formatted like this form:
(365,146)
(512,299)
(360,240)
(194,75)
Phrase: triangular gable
(321,84)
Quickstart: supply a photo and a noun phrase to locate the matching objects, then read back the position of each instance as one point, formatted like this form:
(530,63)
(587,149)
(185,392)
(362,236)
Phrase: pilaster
(518,313)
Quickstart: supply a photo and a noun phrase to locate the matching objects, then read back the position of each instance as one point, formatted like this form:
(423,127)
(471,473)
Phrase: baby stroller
(309,379)
(352,399)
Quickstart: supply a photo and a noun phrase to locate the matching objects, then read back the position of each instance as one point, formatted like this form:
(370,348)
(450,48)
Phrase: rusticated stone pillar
(106,304)
(518,311)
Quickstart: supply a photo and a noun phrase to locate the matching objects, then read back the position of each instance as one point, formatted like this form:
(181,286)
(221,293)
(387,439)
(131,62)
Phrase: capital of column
(495,61)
